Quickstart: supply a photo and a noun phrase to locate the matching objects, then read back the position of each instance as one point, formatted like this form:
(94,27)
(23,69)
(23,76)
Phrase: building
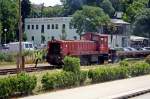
(139,42)
(41,30)
(119,34)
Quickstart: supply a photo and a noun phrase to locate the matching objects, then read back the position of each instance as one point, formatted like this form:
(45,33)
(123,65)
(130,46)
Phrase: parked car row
(127,49)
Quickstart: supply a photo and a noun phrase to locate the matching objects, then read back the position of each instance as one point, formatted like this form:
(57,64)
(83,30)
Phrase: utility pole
(20,38)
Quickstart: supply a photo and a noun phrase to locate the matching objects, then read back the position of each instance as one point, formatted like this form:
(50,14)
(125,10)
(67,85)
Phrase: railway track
(27,69)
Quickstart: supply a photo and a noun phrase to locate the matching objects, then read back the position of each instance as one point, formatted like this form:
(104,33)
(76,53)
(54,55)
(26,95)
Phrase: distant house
(119,34)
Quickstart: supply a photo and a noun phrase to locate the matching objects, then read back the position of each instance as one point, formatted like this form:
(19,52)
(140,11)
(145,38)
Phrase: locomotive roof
(71,41)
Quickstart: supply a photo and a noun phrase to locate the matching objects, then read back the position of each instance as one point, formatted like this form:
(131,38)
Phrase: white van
(14,46)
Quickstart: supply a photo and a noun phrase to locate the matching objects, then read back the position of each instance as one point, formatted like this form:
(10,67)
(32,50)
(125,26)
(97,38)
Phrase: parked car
(132,49)
(142,49)
(14,46)
(147,48)
(122,49)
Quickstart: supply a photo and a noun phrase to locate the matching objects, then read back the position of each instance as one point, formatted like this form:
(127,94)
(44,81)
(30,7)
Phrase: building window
(56,26)
(37,27)
(32,27)
(52,26)
(28,27)
(42,29)
(70,26)
(63,26)
(32,38)
(42,39)
(48,26)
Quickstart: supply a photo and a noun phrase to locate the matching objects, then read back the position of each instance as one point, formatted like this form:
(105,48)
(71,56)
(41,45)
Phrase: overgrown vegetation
(63,80)
(30,56)
(70,76)
(113,73)
(147,60)
(21,84)
(6,57)
(72,64)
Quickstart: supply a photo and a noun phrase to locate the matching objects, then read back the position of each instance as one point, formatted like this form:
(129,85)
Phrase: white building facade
(41,30)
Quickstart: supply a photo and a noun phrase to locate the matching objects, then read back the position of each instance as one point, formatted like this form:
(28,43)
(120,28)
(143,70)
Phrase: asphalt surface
(108,90)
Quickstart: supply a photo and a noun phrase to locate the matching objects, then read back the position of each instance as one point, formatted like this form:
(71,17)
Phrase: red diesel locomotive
(92,48)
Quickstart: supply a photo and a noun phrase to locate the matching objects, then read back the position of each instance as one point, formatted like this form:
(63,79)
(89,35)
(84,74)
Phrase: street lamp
(5,30)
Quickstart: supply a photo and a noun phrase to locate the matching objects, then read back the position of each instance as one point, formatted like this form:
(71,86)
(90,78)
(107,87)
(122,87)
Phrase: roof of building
(137,38)
(119,21)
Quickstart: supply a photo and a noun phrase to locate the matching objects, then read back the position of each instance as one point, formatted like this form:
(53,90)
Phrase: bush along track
(69,78)
(113,73)
(21,84)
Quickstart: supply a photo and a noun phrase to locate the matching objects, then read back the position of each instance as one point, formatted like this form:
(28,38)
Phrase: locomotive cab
(54,54)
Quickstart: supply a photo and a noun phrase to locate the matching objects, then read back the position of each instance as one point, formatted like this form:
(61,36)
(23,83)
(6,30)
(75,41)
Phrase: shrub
(71,64)
(7,57)
(58,80)
(5,89)
(63,79)
(147,60)
(124,63)
(20,84)
(139,69)
(2,57)
(83,77)
(25,83)
(107,74)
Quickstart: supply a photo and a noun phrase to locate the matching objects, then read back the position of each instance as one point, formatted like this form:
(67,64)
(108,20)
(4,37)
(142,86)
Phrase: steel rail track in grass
(27,69)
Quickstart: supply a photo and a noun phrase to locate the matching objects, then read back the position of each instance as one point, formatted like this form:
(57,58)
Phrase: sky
(46,2)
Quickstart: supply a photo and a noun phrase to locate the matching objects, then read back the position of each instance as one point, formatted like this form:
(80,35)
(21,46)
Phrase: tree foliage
(9,18)
(25,8)
(89,19)
(106,5)
(0,31)
(136,7)
(142,23)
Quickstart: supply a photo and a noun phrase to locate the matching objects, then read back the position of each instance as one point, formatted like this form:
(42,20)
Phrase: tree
(0,32)
(89,19)
(9,18)
(107,7)
(133,9)
(25,10)
(142,23)
(70,6)
(149,3)
(118,5)
(24,37)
